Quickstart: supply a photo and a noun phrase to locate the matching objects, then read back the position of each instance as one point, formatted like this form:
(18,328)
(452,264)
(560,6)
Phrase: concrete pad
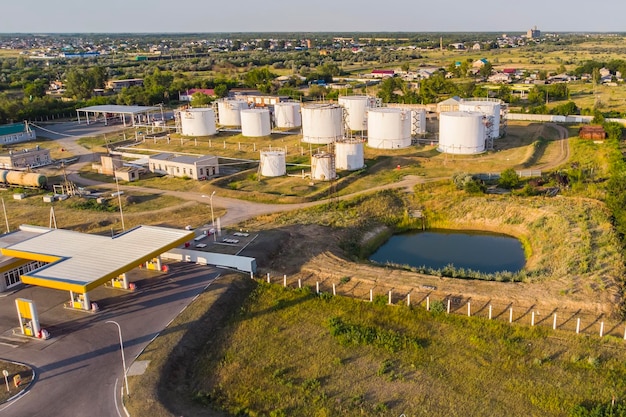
(138,368)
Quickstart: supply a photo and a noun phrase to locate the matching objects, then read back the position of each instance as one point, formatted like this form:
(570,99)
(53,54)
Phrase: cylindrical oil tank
(287,115)
(418,121)
(323,166)
(255,122)
(356,110)
(198,122)
(461,133)
(27,179)
(229,112)
(491,109)
(388,128)
(273,163)
(322,123)
(349,154)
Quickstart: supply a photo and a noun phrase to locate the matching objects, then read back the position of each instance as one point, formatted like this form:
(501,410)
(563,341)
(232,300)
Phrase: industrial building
(25,158)
(184,166)
(16,133)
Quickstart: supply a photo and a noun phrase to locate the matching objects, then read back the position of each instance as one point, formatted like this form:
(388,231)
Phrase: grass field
(290,352)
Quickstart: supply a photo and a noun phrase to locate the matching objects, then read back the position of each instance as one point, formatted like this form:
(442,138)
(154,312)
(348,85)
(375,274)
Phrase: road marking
(117,408)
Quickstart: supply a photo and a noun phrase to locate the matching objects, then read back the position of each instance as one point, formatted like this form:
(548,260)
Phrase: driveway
(79,370)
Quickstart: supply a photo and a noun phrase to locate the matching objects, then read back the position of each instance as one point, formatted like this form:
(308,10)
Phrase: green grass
(290,350)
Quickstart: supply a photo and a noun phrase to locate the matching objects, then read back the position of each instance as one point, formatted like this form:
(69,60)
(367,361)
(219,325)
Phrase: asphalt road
(79,370)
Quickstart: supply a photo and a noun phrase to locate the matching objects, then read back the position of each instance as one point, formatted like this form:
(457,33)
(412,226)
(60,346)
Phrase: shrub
(437,307)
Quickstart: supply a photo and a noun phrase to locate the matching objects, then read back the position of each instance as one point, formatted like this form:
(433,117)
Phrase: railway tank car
(11,178)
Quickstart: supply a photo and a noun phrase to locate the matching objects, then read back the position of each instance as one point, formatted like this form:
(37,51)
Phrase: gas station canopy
(80,262)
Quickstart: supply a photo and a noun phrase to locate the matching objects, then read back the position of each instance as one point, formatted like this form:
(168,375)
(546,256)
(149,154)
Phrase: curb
(27,387)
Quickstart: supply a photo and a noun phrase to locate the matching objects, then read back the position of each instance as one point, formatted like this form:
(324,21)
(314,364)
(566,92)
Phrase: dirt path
(241,210)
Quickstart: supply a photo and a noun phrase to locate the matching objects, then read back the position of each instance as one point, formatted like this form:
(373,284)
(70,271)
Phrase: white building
(184,166)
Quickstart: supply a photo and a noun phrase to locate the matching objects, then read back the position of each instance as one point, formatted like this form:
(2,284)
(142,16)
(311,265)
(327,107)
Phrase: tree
(595,76)
(221,90)
(79,84)
(200,99)
(485,70)
(35,89)
(508,179)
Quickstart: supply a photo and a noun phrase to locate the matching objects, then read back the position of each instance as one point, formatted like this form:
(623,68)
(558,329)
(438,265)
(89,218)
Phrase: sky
(166,16)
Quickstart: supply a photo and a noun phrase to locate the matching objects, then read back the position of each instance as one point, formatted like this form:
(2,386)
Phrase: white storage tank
(287,115)
(388,128)
(322,123)
(491,109)
(255,122)
(197,122)
(323,166)
(349,154)
(229,112)
(418,122)
(356,110)
(461,133)
(273,163)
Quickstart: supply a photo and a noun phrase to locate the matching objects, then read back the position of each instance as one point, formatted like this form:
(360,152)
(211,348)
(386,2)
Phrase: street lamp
(119,330)
(212,216)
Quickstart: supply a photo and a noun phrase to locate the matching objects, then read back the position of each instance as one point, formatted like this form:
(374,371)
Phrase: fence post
(578,325)
(334,290)
(428,309)
(317,287)
(601,329)
(448,310)
(299,283)
(511,315)
(268,277)
(490,311)
(285,280)
(469,309)
(554,322)
(371,295)
(532,319)
(408,299)
(389,296)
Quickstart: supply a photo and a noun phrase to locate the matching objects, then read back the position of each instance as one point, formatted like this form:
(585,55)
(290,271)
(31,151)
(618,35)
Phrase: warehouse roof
(12,129)
(81,262)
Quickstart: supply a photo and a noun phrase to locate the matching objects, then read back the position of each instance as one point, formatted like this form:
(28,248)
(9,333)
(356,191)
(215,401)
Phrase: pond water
(478,251)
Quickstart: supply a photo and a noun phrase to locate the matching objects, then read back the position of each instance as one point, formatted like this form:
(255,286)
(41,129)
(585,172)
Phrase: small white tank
(461,133)
(322,123)
(323,166)
(491,109)
(287,115)
(418,121)
(255,122)
(197,122)
(356,110)
(273,163)
(349,155)
(229,112)
(389,128)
